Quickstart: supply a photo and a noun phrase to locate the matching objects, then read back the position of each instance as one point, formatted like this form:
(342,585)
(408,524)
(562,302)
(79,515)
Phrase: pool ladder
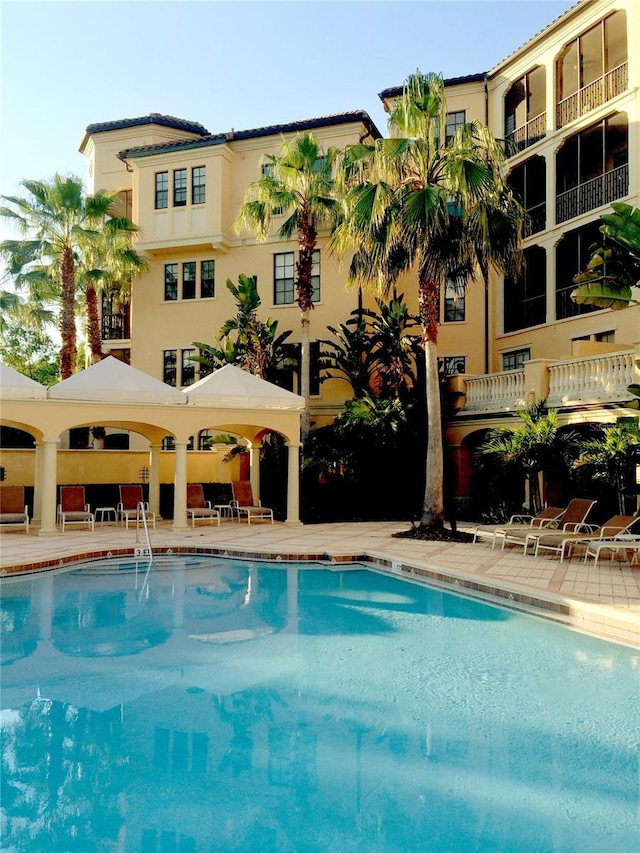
(148,551)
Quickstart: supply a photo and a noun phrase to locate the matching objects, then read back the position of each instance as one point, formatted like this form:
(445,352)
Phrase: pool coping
(599,620)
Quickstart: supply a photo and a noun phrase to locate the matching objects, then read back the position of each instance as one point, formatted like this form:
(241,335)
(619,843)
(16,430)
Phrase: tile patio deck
(604,601)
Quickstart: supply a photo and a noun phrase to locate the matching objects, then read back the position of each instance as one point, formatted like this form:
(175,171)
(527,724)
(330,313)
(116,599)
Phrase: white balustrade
(495,392)
(591,380)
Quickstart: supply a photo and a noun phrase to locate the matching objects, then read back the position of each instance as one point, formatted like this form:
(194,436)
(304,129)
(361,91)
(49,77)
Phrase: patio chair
(561,543)
(131,500)
(197,507)
(627,543)
(73,508)
(550,516)
(572,520)
(244,504)
(13,508)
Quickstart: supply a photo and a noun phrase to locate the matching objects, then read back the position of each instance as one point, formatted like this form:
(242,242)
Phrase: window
(528,181)
(315,276)
(170,282)
(454,121)
(198,185)
(179,187)
(283,275)
(314,368)
(572,255)
(605,337)
(451,365)
(189,280)
(525,110)
(169,443)
(594,65)
(169,367)
(267,169)
(515,360)
(454,302)
(283,278)
(525,298)
(162,190)
(592,167)
(188,367)
(207,279)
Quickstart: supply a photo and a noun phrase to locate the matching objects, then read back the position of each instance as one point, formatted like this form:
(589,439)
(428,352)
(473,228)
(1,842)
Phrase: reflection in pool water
(272,707)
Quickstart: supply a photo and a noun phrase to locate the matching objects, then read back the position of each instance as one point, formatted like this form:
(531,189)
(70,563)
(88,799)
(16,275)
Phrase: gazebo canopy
(231,386)
(111,379)
(17,386)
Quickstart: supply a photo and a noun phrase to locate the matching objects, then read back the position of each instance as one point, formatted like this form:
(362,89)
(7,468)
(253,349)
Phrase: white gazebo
(112,393)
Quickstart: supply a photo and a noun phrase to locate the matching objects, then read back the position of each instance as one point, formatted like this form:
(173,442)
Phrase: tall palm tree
(297,183)
(439,207)
(59,222)
(107,263)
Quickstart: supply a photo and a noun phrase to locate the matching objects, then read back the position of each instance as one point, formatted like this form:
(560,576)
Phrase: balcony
(585,197)
(604,378)
(115,327)
(537,219)
(603,89)
(572,382)
(530,133)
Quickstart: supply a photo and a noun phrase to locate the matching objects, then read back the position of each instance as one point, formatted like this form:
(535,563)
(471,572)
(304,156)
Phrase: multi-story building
(567,104)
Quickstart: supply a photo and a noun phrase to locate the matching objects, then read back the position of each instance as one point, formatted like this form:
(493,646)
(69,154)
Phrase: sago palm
(298,184)
(437,207)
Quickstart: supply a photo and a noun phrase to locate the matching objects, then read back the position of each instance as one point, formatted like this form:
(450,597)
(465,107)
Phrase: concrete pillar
(154,479)
(293,485)
(180,487)
(48,487)
(254,469)
(38,480)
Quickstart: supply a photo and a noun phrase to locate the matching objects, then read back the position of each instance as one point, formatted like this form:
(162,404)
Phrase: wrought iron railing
(585,197)
(526,135)
(115,327)
(591,97)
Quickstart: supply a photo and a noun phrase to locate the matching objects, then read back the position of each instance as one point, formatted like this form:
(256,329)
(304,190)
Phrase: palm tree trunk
(93,324)
(433,505)
(68,348)
(305,379)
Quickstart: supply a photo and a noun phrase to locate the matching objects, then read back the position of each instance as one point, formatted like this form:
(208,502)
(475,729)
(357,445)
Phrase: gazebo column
(254,468)
(154,478)
(180,487)
(47,487)
(293,485)
(37,483)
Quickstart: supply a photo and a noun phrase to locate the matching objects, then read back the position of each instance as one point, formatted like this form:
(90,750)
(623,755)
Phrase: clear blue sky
(239,64)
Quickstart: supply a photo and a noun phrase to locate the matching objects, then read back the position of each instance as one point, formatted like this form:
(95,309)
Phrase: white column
(293,485)
(180,487)
(48,490)
(254,469)
(37,481)
(154,479)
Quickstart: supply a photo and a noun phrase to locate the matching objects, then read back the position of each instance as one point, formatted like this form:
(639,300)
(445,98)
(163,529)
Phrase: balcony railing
(592,96)
(495,392)
(585,197)
(537,220)
(526,135)
(574,381)
(591,380)
(115,327)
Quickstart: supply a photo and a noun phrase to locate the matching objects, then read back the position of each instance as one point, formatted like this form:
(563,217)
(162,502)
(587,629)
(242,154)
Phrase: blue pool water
(274,708)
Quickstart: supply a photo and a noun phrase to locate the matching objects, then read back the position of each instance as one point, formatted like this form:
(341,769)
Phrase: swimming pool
(245,706)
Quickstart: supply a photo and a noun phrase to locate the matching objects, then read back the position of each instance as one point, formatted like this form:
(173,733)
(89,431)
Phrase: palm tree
(610,455)
(59,223)
(298,184)
(107,263)
(533,447)
(256,346)
(439,207)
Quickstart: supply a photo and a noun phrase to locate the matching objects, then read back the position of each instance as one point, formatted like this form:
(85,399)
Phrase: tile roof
(152,118)
(253,133)
(396,91)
